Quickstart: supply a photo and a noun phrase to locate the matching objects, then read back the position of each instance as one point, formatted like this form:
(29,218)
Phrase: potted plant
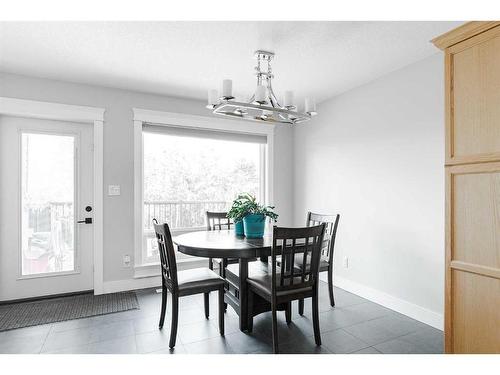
(252,214)
(237,212)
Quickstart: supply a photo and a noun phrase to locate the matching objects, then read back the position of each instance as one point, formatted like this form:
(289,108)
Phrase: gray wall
(118,152)
(375,155)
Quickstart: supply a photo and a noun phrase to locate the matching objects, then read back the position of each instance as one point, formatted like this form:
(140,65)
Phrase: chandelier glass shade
(263,105)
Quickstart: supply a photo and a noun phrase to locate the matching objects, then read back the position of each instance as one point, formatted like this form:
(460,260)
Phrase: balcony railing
(180,214)
(47,237)
(41,217)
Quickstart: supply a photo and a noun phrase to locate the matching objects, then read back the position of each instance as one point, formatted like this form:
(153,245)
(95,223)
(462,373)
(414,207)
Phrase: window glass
(186,176)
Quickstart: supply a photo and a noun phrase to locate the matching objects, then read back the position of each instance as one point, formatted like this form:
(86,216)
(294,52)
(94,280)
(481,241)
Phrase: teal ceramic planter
(254,226)
(239,228)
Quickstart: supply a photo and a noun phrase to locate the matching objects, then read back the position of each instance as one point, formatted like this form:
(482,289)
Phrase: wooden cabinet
(472,292)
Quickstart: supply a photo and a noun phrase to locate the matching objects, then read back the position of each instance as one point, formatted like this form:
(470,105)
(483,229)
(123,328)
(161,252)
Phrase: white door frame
(89,115)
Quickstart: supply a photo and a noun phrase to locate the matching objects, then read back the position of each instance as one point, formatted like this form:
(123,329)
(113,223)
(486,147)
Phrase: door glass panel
(48,191)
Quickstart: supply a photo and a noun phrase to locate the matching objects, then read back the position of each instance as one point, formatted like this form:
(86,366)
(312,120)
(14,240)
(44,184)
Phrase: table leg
(243,294)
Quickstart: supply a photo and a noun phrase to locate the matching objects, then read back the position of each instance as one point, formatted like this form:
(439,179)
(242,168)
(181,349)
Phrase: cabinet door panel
(475,98)
(476,216)
(476,316)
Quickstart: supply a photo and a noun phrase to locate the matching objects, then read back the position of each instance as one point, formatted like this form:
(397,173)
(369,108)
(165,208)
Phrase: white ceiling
(185,59)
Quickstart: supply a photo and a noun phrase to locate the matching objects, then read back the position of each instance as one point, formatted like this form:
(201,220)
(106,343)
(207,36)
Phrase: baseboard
(416,312)
(45,297)
(147,277)
(131,284)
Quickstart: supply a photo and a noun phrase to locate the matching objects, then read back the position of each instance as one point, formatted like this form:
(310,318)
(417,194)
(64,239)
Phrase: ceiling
(185,59)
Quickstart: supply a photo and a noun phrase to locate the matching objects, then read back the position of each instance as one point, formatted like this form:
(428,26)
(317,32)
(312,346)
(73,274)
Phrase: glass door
(46,193)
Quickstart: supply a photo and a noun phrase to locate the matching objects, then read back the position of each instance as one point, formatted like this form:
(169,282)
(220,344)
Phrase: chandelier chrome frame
(267,108)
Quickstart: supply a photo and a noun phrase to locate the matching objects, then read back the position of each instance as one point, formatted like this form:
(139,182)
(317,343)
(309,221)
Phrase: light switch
(126,261)
(113,189)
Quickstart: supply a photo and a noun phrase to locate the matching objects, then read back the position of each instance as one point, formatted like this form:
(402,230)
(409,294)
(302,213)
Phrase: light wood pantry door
(46,195)
(472,290)
(473,274)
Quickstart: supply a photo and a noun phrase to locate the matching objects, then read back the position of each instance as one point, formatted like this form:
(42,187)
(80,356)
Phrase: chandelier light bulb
(213,97)
(227,88)
(288,99)
(310,105)
(260,94)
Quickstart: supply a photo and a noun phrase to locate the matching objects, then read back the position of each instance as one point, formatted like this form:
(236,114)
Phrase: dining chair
(184,283)
(286,283)
(219,221)
(326,262)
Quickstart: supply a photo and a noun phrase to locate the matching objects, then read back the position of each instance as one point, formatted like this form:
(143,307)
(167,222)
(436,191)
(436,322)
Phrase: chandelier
(263,105)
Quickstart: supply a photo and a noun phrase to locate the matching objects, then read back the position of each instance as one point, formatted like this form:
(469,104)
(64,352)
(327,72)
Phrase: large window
(187,173)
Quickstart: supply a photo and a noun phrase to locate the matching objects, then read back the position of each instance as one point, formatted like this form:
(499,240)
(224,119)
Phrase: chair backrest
(331,223)
(287,242)
(218,221)
(167,255)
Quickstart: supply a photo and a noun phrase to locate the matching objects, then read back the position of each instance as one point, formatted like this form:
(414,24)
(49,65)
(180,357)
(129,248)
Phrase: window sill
(153,269)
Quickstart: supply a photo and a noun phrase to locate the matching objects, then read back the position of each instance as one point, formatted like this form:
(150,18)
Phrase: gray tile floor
(355,325)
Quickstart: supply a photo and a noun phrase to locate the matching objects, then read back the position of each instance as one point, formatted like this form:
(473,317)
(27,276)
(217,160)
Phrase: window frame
(160,118)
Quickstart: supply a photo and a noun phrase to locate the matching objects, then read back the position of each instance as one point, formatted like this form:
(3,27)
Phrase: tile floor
(355,325)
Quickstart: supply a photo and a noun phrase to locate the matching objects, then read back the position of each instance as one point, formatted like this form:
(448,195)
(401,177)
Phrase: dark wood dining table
(225,244)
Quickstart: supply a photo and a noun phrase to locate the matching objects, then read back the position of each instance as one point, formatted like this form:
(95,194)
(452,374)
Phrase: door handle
(88,220)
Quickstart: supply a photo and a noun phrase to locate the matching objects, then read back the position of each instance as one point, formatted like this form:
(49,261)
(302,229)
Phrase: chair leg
(288,313)
(163,306)
(221,311)
(315,316)
(211,267)
(207,304)
(222,268)
(275,330)
(222,273)
(301,307)
(330,286)
(250,311)
(175,318)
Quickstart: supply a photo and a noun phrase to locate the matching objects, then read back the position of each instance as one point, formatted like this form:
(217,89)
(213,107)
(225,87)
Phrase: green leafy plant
(246,204)
(238,209)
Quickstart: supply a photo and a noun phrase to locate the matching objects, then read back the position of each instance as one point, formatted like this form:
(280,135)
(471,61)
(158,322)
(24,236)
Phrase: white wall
(376,155)
(118,153)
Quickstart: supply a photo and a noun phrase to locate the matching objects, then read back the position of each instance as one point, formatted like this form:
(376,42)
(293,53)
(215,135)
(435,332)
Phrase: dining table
(252,255)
